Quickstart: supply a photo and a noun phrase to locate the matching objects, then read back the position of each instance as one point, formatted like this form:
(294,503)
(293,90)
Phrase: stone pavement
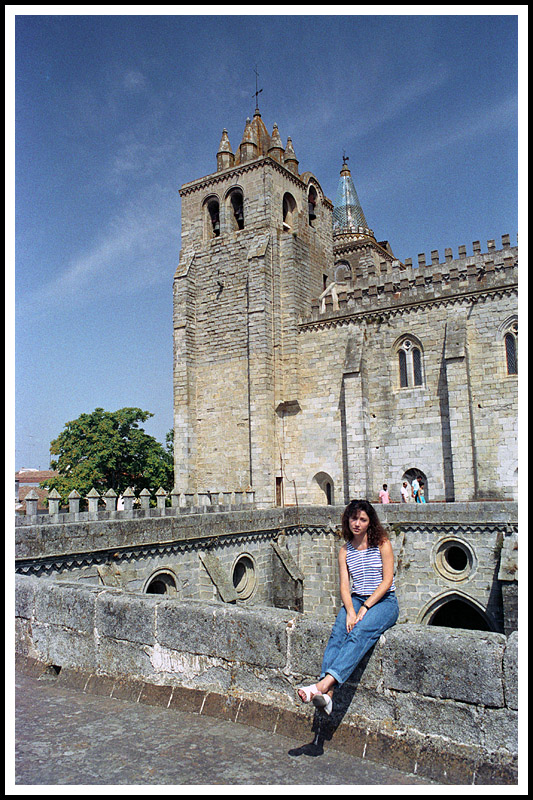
(67,737)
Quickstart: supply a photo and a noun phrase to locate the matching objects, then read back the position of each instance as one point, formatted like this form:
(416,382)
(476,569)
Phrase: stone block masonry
(442,703)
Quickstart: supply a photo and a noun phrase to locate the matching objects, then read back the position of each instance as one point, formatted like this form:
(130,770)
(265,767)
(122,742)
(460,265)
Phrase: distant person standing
(415,486)
(405,492)
(384,495)
(420,498)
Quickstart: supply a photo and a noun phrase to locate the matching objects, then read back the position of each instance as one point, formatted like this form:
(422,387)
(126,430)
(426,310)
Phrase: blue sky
(112,114)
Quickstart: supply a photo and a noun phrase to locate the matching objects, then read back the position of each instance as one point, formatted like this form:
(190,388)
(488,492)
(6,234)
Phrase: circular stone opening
(457,558)
(453,560)
(244,579)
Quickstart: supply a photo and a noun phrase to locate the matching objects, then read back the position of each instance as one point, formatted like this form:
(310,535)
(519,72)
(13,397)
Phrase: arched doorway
(327,492)
(410,474)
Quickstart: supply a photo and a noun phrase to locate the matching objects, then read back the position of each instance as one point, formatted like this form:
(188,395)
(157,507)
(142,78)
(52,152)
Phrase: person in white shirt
(405,492)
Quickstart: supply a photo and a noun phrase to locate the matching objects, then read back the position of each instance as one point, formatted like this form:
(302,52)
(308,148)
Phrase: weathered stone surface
(445,663)
(499,728)
(187,627)
(67,605)
(25,597)
(459,721)
(237,639)
(510,671)
(64,646)
(308,638)
(129,617)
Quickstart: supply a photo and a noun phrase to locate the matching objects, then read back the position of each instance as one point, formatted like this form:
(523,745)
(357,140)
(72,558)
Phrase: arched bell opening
(235,205)
(289,211)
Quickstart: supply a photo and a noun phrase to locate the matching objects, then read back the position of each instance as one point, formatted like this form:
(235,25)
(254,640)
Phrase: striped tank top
(366,569)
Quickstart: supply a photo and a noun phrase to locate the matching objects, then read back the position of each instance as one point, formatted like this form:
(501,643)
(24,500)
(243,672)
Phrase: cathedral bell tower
(256,236)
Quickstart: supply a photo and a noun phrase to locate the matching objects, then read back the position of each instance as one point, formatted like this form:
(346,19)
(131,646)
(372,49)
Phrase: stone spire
(276,147)
(225,156)
(348,216)
(290,160)
(248,146)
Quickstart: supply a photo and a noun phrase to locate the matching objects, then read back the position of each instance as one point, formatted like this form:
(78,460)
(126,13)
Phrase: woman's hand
(360,614)
(351,619)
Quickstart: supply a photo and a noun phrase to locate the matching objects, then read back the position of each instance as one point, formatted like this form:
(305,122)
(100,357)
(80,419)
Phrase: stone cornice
(233,172)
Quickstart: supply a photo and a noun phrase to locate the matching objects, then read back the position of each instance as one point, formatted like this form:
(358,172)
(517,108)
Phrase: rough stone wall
(453,691)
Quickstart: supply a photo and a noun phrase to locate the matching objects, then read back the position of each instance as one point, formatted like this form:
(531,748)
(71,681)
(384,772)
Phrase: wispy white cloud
(398,100)
(136,251)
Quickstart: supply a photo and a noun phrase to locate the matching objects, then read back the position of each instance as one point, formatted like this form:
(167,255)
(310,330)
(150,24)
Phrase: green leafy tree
(109,450)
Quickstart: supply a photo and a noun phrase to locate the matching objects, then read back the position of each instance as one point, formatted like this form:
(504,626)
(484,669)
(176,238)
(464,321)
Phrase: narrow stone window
(279,491)
(312,200)
(417,367)
(511,351)
(403,368)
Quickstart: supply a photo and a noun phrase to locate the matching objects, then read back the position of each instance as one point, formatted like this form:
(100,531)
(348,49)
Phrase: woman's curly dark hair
(376,532)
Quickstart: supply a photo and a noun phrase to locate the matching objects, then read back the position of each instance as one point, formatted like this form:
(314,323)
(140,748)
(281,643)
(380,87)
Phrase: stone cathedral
(311,365)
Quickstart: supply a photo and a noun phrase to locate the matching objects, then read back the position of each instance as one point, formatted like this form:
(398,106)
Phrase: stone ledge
(434,758)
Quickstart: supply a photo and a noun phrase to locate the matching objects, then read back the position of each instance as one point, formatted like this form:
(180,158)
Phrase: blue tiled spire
(348,214)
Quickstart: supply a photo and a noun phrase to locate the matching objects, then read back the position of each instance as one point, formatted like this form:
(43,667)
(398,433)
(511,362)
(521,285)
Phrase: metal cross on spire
(345,158)
(257,91)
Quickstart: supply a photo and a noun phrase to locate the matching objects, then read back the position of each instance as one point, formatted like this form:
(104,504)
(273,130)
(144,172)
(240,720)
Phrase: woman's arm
(346,589)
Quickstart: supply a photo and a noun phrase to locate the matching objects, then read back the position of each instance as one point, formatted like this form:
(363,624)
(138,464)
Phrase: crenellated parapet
(393,285)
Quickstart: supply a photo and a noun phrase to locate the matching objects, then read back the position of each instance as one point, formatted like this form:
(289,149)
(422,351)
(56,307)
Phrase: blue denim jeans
(345,650)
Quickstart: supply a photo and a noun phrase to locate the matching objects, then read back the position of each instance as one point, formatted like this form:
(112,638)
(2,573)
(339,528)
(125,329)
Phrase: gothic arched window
(417,367)
(410,363)
(511,348)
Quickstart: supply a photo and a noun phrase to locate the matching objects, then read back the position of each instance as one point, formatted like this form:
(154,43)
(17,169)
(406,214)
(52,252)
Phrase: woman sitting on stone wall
(370,607)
